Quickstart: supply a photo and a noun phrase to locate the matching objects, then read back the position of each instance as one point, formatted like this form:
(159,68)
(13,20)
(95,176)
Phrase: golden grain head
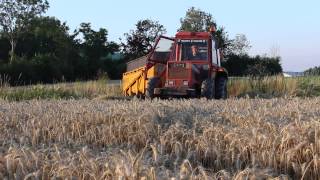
(162,139)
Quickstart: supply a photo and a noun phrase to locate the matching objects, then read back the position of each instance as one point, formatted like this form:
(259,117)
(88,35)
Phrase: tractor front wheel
(221,88)
(207,89)
(152,83)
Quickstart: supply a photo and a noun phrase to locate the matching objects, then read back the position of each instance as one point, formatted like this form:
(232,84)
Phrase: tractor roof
(193,35)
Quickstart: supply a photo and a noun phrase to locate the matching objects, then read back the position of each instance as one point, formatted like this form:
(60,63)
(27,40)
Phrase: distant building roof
(293,74)
(286,75)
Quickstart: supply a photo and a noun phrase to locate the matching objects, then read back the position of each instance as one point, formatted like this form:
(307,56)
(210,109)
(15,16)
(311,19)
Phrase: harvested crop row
(160,139)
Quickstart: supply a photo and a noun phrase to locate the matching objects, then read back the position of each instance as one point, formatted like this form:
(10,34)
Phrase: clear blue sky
(292,26)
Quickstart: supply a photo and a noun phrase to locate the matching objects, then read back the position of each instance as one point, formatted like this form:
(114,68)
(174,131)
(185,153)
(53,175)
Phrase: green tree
(95,48)
(5,48)
(315,71)
(197,20)
(44,35)
(47,52)
(240,45)
(15,15)
(140,41)
(48,45)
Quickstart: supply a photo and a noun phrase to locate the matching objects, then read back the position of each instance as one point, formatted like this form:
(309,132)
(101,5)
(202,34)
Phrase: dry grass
(90,90)
(4,81)
(274,86)
(178,139)
(267,87)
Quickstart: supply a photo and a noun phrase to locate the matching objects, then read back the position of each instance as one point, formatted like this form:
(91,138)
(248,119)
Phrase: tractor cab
(189,60)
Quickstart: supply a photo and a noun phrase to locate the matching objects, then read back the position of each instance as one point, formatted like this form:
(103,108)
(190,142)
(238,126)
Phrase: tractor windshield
(194,50)
(162,50)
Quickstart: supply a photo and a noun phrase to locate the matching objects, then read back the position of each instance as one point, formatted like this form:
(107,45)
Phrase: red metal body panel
(193,35)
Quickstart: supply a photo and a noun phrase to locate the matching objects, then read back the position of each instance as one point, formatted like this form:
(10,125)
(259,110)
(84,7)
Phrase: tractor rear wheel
(221,88)
(207,89)
(152,83)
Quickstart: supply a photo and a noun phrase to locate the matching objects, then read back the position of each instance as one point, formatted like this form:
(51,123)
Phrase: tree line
(36,48)
(315,71)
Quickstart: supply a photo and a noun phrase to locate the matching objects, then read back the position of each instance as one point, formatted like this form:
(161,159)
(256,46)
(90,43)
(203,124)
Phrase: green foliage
(47,53)
(309,86)
(89,90)
(274,86)
(197,20)
(36,92)
(315,71)
(44,53)
(4,81)
(41,68)
(16,14)
(140,41)
(15,69)
(95,49)
(5,48)
(115,68)
(240,46)
(45,35)
(244,65)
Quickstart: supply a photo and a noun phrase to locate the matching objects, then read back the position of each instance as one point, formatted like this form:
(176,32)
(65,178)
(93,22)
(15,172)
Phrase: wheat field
(162,139)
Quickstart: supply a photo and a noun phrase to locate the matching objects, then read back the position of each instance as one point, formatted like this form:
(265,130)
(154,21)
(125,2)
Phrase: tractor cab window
(163,50)
(194,50)
(215,54)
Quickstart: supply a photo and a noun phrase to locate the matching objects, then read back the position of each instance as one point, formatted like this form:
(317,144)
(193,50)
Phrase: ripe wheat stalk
(176,139)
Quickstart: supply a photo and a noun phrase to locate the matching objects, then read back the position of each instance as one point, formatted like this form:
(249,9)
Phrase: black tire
(152,83)
(138,96)
(221,88)
(207,89)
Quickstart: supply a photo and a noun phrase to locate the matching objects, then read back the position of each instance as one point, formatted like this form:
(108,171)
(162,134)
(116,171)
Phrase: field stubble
(181,139)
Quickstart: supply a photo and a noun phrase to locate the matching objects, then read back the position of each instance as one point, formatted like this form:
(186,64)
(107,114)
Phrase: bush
(47,68)
(313,71)
(41,68)
(244,65)
(20,71)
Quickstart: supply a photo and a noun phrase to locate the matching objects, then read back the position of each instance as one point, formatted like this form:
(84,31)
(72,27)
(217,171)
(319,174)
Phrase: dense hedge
(245,65)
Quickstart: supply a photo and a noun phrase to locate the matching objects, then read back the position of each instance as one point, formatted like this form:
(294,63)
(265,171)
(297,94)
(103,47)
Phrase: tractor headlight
(171,83)
(185,83)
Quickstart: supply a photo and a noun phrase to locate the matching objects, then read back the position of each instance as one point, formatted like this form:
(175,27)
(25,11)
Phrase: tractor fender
(221,72)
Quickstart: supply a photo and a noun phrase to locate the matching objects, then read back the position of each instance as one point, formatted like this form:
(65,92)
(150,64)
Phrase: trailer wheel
(207,89)
(152,83)
(221,88)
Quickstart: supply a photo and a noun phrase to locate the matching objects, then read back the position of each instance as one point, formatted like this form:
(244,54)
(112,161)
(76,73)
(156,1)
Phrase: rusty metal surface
(178,73)
(137,63)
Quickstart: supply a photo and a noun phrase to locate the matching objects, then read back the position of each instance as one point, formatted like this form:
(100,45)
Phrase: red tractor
(188,65)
